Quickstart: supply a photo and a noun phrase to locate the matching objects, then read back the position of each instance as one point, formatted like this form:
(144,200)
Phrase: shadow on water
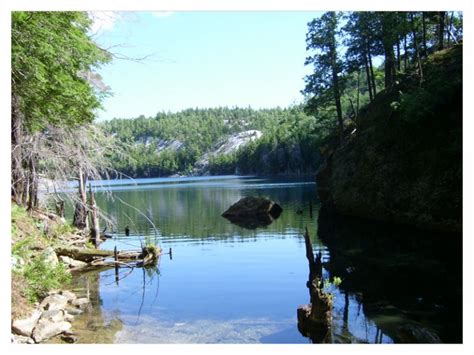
(407,281)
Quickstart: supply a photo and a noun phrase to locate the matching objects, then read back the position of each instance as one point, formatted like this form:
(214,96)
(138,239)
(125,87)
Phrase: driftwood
(99,258)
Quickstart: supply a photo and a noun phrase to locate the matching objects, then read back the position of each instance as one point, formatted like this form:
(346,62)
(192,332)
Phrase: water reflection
(398,277)
(93,326)
(195,210)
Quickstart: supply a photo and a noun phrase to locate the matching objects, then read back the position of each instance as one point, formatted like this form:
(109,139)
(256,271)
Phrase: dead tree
(81,211)
(315,319)
(95,229)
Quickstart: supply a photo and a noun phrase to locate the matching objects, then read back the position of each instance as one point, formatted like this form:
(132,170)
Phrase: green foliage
(17,212)
(23,248)
(60,229)
(402,38)
(52,56)
(173,143)
(336,281)
(324,85)
(443,77)
(42,277)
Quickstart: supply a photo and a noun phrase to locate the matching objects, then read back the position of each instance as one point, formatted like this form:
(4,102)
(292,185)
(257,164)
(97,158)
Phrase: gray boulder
(74,311)
(69,295)
(25,326)
(80,302)
(50,257)
(46,329)
(53,302)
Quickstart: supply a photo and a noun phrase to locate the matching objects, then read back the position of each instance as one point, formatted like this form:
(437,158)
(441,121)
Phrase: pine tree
(325,84)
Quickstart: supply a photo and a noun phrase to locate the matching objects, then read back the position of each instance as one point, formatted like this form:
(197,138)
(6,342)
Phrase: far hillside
(219,141)
(214,141)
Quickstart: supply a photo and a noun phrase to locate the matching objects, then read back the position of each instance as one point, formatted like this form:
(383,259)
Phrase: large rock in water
(253,212)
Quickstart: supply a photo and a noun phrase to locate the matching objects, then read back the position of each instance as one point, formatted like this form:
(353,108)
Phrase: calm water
(228,284)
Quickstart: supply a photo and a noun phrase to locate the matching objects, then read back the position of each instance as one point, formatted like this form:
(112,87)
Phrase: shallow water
(228,284)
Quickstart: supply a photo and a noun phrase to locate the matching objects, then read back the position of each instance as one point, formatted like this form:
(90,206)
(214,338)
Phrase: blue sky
(202,59)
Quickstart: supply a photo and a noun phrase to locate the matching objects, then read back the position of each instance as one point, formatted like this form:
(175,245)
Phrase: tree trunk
(60,208)
(398,55)
(449,30)
(33,185)
(367,73)
(335,81)
(80,213)
(417,51)
(95,229)
(337,95)
(18,176)
(405,54)
(425,48)
(441,15)
(374,87)
(358,93)
(388,41)
(389,66)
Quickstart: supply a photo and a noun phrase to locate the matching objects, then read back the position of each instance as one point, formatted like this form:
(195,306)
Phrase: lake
(228,284)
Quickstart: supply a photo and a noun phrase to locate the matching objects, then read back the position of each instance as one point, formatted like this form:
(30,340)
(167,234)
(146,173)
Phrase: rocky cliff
(403,162)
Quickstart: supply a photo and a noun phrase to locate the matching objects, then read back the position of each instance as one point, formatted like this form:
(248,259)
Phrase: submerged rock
(253,212)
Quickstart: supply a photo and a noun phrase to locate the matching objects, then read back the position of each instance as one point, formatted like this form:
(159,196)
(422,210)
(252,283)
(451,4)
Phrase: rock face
(403,164)
(253,212)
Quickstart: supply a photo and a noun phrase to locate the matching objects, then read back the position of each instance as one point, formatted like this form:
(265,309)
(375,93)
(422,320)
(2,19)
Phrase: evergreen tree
(53,59)
(325,84)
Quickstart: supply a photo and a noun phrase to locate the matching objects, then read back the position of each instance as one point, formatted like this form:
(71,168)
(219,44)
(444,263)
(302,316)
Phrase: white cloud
(103,20)
(161,14)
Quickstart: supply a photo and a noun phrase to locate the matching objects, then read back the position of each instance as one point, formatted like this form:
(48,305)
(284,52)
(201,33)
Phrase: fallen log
(86,255)
(98,258)
(89,255)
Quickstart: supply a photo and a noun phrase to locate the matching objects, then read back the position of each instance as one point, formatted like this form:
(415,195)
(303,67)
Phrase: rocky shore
(51,318)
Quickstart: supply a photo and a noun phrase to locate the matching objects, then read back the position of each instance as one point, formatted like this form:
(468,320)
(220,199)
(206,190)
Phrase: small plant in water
(336,281)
